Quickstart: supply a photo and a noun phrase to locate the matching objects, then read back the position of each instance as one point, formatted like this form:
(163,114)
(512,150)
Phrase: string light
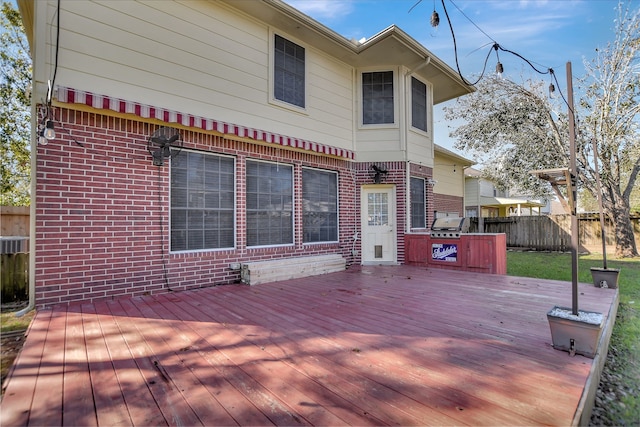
(435,18)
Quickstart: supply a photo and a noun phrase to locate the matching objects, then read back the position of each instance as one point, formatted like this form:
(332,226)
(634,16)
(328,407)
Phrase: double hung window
(377,98)
(418,203)
(289,72)
(418,104)
(269,204)
(202,201)
(319,206)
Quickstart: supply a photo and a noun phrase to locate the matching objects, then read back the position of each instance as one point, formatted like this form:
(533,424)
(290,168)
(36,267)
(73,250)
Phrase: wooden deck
(395,345)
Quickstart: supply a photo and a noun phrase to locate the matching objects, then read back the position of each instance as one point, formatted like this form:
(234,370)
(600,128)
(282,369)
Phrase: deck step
(254,273)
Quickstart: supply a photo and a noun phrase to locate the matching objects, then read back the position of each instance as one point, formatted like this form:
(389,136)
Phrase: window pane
(269,207)
(418,203)
(418,104)
(289,72)
(202,198)
(377,97)
(319,206)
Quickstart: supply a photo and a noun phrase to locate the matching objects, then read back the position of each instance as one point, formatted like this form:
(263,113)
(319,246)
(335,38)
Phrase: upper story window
(202,201)
(319,206)
(418,203)
(269,203)
(418,104)
(377,98)
(289,72)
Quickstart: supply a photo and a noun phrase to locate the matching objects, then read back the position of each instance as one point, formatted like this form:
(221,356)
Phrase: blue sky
(546,32)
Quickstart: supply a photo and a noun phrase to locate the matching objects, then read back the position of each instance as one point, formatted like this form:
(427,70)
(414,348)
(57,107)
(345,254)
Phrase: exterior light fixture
(435,19)
(49,132)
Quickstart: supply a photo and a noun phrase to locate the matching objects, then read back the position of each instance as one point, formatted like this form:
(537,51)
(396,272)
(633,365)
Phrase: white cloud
(323,9)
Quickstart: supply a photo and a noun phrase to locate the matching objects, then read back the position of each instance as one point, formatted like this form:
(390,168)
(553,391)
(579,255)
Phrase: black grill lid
(449,223)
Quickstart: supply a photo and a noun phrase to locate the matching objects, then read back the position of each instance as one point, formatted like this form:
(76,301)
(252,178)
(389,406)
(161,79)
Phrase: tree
(514,128)
(15,120)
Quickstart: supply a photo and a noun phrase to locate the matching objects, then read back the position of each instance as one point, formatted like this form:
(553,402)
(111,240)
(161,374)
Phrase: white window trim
(424,201)
(396,106)
(272,99)
(337,206)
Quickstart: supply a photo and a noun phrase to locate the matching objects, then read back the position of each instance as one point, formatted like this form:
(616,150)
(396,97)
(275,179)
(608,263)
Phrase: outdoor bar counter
(481,252)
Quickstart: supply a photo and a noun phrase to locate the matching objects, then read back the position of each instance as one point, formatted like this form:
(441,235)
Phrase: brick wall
(446,203)
(103,209)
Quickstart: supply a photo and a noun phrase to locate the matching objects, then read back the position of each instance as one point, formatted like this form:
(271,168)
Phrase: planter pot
(605,277)
(575,334)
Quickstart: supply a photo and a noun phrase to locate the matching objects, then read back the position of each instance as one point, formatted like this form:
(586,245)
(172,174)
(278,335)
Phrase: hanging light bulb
(499,69)
(552,88)
(435,19)
(49,132)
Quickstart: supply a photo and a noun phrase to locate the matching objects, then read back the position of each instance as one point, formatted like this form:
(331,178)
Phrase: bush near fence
(553,232)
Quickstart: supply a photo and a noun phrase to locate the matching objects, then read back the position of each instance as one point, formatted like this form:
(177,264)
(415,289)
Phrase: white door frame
(379,233)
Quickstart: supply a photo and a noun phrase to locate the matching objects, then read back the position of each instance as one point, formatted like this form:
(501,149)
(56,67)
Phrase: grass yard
(623,363)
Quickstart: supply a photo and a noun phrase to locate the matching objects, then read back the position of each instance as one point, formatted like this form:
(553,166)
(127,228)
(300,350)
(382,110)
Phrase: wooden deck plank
(110,407)
(367,346)
(77,393)
(278,412)
(156,336)
(235,403)
(24,372)
(47,396)
(141,405)
(356,352)
(269,373)
(170,401)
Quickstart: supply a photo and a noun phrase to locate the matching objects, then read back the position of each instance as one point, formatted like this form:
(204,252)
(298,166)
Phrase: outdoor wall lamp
(379,173)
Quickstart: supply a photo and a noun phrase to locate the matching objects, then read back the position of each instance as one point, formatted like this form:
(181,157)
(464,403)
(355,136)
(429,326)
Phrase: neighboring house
(449,190)
(481,195)
(294,141)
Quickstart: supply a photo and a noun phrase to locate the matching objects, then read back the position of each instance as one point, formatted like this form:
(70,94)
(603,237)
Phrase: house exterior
(194,136)
(449,188)
(485,200)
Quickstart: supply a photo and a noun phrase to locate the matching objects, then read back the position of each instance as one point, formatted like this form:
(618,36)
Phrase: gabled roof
(463,160)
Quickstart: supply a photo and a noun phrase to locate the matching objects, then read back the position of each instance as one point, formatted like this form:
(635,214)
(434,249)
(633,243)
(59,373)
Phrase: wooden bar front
(481,252)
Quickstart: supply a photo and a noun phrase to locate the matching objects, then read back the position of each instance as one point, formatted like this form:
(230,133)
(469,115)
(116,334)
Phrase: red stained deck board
(24,373)
(77,392)
(110,407)
(387,365)
(368,346)
(48,395)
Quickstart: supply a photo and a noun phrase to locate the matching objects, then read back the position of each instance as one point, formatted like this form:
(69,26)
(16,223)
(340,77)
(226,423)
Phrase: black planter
(605,277)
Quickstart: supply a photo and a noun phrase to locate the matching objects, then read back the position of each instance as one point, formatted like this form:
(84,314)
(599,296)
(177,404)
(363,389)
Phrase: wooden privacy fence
(553,232)
(14,276)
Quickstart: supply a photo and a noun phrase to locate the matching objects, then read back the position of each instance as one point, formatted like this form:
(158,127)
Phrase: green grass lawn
(625,341)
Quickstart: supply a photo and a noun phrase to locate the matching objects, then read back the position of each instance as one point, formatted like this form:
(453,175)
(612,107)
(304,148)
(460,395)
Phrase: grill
(449,227)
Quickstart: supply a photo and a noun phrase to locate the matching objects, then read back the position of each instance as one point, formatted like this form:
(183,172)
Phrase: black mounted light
(379,173)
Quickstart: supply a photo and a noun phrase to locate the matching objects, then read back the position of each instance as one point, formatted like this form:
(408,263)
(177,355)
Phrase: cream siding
(209,61)
(449,172)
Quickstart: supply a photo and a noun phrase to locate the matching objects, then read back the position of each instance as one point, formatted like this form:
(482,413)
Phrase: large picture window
(269,203)
(418,203)
(418,104)
(319,206)
(202,201)
(289,72)
(377,98)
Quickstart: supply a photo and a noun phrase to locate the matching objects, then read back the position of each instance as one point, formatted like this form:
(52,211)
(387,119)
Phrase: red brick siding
(102,212)
(445,203)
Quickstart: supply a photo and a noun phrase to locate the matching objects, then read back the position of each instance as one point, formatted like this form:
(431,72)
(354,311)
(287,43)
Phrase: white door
(378,224)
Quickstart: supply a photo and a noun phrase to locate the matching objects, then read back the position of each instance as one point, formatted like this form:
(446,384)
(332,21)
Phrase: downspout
(32,215)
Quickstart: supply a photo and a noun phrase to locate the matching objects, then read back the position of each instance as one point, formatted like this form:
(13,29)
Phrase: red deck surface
(397,345)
